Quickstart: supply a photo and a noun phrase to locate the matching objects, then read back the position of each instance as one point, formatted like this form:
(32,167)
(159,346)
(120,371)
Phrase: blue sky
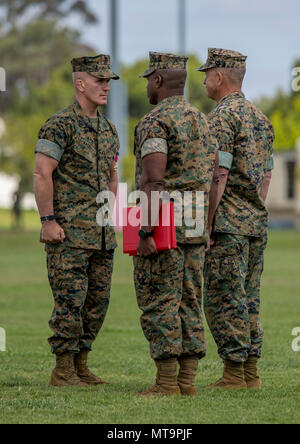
(268,31)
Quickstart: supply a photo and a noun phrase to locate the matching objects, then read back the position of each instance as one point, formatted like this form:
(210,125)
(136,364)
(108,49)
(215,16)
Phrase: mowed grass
(121,353)
(30,220)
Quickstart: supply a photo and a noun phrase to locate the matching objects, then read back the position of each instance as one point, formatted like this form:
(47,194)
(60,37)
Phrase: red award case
(164,233)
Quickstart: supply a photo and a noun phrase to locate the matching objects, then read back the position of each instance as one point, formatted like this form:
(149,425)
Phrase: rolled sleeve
(225,160)
(54,136)
(155,145)
(270,166)
(49,149)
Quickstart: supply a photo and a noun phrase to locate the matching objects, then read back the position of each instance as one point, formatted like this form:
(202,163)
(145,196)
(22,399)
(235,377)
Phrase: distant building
(8,186)
(284,196)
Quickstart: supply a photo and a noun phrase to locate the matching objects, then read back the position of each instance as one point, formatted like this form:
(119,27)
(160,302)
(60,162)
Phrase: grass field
(121,353)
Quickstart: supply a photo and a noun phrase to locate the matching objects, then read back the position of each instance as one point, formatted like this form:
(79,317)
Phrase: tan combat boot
(64,374)
(233,377)
(83,372)
(187,375)
(250,373)
(166,379)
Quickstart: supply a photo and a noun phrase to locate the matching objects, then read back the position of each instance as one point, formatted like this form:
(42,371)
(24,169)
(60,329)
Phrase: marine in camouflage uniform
(169,284)
(234,265)
(80,268)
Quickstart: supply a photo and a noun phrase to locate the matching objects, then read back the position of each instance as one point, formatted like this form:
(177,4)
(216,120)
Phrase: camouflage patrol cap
(223,58)
(163,60)
(98,66)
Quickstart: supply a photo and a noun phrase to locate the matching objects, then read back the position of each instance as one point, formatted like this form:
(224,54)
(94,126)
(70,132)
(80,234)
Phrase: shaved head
(165,83)
(173,78)
(234,76)
(77,76)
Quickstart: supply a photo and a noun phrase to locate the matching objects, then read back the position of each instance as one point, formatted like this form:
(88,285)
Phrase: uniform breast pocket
(84,149)
(81,161)
(108,147)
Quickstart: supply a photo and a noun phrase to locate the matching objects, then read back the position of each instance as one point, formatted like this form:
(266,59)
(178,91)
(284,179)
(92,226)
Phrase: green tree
(24,122)
(34,47)
(284,113)
(31,53)
(33,40)
(287,125)
(13,12)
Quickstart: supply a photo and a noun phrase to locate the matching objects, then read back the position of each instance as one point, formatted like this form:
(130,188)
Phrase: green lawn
(30,220)
(121,353)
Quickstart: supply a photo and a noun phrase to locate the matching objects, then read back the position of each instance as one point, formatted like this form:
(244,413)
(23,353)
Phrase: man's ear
(80,85)
(159,81)
(220,77)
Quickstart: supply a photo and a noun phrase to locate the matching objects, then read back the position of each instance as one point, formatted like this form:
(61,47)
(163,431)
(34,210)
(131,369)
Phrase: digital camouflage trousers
(232,275)
(169,294)
(80,281)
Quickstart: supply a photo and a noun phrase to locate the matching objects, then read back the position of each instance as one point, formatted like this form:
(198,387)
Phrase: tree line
(36,49)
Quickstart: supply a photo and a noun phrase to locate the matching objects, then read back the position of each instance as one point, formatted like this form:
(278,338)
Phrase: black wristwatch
(145,234)
(47,218)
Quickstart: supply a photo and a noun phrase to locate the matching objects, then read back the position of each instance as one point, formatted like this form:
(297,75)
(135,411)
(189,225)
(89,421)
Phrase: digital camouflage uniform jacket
(245,137)
(182,132)
(84,157)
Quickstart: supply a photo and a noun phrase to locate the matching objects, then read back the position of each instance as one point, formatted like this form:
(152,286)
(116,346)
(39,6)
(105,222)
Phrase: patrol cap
(98,66)
(163,60)
(223,58)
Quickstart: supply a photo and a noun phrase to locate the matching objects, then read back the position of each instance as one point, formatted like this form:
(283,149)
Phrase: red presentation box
(164,233)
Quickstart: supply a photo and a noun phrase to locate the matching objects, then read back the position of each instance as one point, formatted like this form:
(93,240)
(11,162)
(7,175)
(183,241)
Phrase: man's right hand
(147,247)
(52,233)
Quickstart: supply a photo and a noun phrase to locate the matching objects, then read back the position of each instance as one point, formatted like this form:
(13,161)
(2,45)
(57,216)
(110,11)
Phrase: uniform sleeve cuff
(152,146)
(271,163)
(49,149)
(225,160)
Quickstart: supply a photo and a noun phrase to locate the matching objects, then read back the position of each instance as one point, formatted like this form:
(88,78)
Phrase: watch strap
(48,218)
(145,234)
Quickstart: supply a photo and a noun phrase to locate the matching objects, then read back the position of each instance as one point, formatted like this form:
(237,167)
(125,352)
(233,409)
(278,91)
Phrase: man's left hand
(209,244)
(211,241)
(147,247)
